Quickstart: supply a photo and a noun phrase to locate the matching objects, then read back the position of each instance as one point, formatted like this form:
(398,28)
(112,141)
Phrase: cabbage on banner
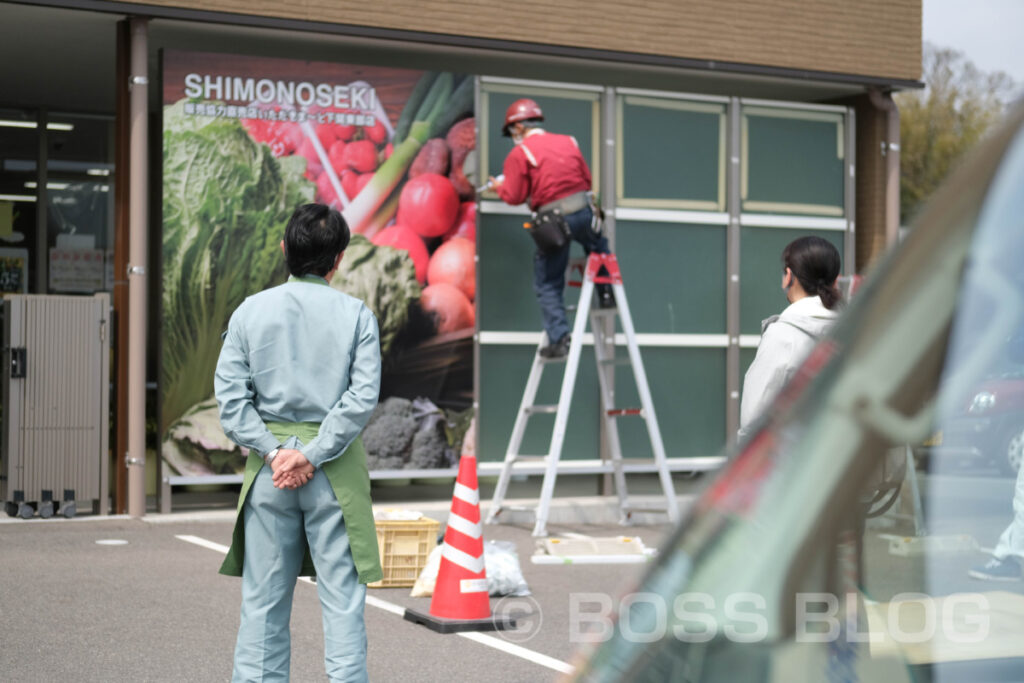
(384,279)
(225,205)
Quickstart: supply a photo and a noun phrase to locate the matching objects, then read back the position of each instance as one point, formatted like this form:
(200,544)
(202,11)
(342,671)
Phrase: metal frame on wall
(732,248)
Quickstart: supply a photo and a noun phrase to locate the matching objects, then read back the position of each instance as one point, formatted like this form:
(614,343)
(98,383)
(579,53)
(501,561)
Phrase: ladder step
(536,409)
(624,412)
(518,508)
(559,359)
(529,458)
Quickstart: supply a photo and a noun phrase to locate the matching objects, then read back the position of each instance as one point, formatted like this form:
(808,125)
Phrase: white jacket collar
(809,306)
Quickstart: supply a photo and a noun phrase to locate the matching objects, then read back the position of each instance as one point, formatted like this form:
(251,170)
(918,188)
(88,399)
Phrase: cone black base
(496,622)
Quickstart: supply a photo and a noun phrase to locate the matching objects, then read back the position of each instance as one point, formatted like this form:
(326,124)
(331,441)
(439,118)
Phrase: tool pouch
(549,230)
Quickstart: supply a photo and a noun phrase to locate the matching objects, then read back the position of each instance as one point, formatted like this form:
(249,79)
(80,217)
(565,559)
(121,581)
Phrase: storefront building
(157,153)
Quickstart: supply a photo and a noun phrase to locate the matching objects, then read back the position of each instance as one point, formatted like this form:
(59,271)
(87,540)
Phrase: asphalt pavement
(120,599)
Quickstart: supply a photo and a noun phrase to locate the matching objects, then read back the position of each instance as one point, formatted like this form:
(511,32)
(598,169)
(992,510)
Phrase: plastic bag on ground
(424,586)
(504,575)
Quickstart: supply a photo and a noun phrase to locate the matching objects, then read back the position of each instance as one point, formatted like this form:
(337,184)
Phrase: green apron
(350,481)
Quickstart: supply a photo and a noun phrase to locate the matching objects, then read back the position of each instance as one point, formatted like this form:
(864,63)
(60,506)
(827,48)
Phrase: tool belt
(568,204)
(549,230)
(548,227)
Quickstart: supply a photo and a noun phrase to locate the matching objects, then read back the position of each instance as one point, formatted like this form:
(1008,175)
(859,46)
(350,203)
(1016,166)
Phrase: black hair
(815,264)
(313,238)
(506,130)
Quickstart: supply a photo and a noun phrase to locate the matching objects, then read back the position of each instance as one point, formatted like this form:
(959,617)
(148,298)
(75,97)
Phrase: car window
(848,537)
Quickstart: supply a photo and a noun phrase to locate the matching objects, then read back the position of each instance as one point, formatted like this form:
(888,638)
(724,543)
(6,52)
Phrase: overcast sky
(988,32)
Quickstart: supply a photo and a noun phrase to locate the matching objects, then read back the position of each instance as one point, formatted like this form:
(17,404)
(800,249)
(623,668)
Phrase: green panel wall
(670,153)
(674,276)
(687,387)
(566,115)
(761,292)
(746,358)
(797,161)
(504,372)
(505,299)
(688,391)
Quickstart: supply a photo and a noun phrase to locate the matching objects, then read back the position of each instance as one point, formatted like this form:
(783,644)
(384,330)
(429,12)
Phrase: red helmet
(521,110)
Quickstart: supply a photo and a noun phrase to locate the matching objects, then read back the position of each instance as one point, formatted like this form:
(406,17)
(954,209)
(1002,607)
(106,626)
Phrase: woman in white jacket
(810,268)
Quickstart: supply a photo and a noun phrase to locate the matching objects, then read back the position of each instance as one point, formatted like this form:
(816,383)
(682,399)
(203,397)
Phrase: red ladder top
(594,264)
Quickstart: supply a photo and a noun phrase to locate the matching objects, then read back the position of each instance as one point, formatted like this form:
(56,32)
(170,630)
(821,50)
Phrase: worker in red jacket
(548,171)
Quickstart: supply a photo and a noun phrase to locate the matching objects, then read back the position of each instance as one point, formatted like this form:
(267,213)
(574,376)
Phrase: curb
(593,510)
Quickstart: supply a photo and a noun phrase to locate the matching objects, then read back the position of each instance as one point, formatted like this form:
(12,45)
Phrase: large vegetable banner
(246,140)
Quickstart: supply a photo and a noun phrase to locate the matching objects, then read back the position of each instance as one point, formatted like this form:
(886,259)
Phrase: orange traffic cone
(461,601)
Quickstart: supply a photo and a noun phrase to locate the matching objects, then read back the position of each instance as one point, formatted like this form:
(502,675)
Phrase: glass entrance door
(56,202)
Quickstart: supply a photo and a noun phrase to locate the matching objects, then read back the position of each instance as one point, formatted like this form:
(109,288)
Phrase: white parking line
(210,545)
(489,641)
(522,652)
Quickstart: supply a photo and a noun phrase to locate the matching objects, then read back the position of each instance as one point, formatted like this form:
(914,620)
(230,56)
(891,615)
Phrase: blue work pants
(549,272)
(276,521)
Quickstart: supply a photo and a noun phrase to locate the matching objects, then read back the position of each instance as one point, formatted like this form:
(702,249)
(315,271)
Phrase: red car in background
(990,430)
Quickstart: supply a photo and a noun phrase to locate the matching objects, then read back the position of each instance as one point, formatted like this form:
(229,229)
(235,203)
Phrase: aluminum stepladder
(604,347)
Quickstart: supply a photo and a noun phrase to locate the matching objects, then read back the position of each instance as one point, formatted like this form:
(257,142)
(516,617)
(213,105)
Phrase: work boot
(557,350)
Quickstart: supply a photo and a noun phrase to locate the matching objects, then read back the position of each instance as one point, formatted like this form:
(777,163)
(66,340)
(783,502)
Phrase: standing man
(296,381)
(548,171)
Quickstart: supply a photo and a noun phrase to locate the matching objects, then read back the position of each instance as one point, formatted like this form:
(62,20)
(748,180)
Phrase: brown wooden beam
(121,243)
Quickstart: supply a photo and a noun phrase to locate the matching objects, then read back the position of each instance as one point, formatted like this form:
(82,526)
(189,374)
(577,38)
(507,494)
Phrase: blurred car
(820,552)
(990,428)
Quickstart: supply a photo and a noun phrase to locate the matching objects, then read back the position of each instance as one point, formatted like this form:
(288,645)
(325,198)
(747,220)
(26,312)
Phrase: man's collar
(311,279)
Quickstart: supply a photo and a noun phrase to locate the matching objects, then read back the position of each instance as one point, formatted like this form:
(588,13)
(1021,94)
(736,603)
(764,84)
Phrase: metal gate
(56,389)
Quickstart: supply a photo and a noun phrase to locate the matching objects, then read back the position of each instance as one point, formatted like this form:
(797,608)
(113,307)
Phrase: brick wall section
(879,38)
(871,168)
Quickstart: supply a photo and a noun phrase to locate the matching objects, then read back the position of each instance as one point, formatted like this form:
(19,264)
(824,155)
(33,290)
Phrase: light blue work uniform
(301,353)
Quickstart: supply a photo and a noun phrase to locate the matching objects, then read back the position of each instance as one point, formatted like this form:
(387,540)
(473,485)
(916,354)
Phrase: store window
(74,199)
(80,206)
(20,146)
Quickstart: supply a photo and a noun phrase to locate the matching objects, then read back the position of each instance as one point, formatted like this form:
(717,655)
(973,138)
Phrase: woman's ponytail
(830,295)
